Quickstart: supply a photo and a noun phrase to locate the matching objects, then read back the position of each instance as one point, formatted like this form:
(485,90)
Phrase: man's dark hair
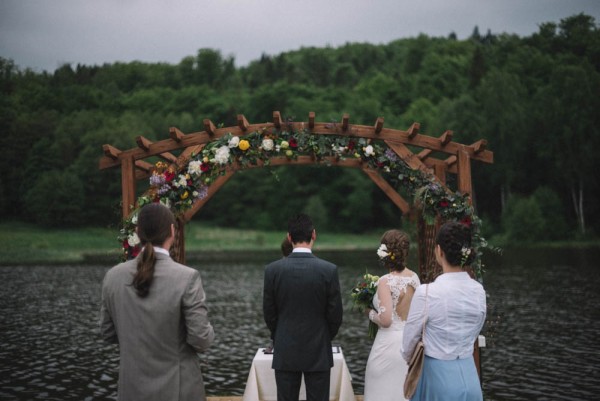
(300,228)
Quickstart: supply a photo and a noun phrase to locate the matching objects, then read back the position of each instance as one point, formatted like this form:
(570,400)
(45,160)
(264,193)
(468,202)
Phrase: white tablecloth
(261,379)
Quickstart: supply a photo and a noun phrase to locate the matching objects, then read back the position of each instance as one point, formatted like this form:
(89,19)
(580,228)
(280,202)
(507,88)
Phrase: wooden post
(178,247)
(464,172)
(128,185)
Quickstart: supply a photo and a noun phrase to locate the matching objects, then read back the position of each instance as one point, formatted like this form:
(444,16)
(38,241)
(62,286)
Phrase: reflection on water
(543,322)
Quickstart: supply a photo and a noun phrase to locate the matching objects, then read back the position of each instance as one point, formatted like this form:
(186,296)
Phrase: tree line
(534,98)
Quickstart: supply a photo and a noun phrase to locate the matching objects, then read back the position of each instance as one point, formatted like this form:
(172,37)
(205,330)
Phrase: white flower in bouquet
(194,167)
(234,142)
(369,151)
(133,240)
(222,155)
(268,144)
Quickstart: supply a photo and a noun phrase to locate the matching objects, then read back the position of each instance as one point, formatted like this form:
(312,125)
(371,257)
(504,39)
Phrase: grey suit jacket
(302,307)
(158,335)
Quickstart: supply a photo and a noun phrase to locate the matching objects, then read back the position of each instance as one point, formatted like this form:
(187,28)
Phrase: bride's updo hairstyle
(455,240)
(397,243)
(153,228)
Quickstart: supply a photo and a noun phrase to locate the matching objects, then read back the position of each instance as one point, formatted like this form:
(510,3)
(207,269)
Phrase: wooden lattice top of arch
(455,157)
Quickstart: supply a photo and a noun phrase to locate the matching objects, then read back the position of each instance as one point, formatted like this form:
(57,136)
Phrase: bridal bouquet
(362,298)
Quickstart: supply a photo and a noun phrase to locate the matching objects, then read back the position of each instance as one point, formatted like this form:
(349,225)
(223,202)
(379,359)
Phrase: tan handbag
(415,365)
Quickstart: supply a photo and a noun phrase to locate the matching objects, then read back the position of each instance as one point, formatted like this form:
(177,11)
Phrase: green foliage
(523,221)
(534,99)
(55,199)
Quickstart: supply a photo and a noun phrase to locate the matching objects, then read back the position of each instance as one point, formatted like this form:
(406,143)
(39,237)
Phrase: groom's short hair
(300,228)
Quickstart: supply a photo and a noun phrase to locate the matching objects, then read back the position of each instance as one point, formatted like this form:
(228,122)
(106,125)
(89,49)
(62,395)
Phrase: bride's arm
(383,317)
(414,323)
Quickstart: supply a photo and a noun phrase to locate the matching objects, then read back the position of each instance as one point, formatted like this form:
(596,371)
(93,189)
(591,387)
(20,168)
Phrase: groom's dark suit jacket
(302,307)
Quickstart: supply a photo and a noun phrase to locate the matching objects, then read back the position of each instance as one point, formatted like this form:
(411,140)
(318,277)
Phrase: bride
(386,369)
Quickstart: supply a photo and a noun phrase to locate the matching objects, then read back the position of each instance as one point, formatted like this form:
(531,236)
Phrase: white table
(261,379)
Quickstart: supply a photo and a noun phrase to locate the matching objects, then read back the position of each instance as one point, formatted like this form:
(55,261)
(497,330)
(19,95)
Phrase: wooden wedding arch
(436,156)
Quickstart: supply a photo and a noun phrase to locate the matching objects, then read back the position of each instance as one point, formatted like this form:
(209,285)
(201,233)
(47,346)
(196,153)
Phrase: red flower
(467,221)
(293,143)
(444,203)
(351,145)
(204,167)
(135,251)
(125,244)
(189,183)
(169,175)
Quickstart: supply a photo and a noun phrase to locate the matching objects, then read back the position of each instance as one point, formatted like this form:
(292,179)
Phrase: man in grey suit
(155,309)
(302,307)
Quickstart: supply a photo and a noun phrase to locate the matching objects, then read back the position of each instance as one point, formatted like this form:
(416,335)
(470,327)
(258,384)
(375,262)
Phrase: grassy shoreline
(27,244)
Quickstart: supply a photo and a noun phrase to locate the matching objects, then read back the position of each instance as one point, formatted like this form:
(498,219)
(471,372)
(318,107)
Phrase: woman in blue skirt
(454,310)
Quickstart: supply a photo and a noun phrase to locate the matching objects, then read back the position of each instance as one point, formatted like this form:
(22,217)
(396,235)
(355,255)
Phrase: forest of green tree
(536,99)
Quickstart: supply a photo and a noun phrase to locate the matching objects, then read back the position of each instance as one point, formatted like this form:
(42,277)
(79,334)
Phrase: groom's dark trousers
(302,307)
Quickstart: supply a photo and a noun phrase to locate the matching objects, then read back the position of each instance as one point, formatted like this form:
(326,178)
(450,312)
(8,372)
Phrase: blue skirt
(455,380)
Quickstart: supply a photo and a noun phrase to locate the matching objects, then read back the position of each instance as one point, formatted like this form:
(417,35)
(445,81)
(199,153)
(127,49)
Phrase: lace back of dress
(403,289)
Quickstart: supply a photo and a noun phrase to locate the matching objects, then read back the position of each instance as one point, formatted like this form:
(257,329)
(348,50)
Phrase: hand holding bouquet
(362,297)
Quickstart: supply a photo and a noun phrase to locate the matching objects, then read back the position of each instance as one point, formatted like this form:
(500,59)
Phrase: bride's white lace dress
(386,369)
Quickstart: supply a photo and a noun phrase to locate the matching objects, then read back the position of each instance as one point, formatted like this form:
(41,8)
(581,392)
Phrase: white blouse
(456,313)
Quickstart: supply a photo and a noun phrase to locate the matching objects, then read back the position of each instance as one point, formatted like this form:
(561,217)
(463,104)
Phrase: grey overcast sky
(44,34)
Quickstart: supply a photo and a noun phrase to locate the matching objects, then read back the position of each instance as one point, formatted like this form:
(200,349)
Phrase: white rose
(133,240)
(369,151)
(181,181)
(194,167)
(222,155)
(268,144)
(234,142)
(134,219)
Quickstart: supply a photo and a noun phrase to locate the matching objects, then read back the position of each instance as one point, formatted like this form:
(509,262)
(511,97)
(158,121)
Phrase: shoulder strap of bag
(426,313)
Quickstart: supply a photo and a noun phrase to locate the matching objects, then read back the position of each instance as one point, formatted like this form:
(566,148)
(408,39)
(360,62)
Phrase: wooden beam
(440,172)
(242,122)
(345,121)
(111,152)
(387,134)
(209,127)
(127,185)
(413,130)
(311,120)
(409,157)
(378,125)
(424,154)
(175,134)
(479,146)
(450,161)
(391,193)
(144,166)
(277,119)
(143,143)
(464,173)
(446,138)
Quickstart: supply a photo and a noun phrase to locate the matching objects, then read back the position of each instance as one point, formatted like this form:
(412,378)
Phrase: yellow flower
(205,160)
(184,195)
(284,144)
(244,144)
(357,155)
(289,153)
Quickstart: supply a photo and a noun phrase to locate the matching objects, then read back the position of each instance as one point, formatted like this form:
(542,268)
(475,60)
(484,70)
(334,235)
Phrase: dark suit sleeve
(269,307)
(334,305)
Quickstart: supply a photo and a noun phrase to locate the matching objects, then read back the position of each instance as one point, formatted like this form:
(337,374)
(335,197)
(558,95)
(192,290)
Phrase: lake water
(542,329)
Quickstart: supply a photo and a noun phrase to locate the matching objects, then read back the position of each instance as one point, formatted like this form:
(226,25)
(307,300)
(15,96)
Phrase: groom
(302,307)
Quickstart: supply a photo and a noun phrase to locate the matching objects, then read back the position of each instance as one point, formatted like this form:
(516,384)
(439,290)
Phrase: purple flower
(391,155)
(156,180)
(164,189)
(202,192)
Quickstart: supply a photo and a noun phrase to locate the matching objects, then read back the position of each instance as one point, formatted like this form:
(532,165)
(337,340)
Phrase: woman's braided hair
(397,243)
(455,240)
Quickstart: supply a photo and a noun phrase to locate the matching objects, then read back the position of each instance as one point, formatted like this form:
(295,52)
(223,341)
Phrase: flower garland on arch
(178,190)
